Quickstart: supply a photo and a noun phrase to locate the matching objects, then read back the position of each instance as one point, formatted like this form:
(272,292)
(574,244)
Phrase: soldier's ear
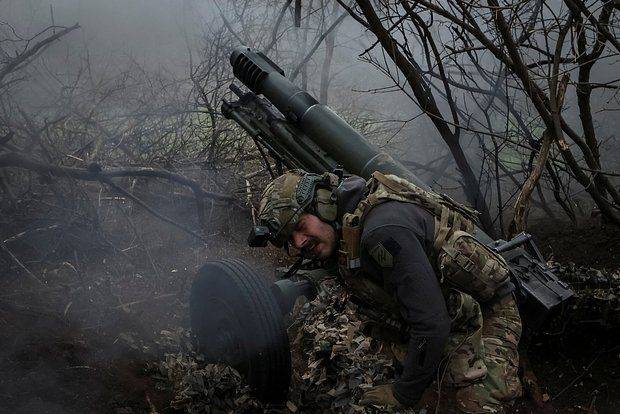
(326,207)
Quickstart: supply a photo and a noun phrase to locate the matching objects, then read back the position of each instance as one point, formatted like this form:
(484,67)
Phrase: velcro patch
(392,246)
(382,256)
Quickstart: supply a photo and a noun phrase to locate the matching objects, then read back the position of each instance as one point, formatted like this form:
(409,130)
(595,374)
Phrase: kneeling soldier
(410,255)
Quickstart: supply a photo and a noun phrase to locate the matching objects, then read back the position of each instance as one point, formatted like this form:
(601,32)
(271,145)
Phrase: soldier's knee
(503,375)
(477,399)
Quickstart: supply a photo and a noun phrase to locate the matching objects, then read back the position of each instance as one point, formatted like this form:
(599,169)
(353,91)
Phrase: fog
(93,267)
(148,30)
(172,37)
(160,34)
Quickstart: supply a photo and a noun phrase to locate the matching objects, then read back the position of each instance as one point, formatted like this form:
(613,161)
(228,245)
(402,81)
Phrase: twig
(37,230)
(152,408)
(14,63)
(276,26)
(137,302)
(585,371)
(230,28)
(151,210)
(305,60)
(28,272)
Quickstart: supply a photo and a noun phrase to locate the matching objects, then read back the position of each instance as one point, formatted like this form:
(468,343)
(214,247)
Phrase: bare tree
(400,54)
(506,59)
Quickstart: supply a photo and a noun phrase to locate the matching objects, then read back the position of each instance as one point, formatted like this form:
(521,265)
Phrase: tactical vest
(460,261)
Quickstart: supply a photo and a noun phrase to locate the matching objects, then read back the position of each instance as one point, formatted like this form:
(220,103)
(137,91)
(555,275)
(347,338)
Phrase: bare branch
(24,57)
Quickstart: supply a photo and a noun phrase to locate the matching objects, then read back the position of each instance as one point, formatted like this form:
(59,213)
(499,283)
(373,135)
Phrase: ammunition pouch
(472,267)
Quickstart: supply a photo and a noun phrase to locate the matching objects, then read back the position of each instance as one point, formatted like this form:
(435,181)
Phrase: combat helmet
(286,199)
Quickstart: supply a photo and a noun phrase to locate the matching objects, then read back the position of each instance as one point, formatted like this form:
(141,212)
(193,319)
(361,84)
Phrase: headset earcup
(325,207)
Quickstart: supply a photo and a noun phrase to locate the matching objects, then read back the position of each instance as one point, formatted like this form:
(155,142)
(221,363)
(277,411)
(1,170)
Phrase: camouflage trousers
(481,356)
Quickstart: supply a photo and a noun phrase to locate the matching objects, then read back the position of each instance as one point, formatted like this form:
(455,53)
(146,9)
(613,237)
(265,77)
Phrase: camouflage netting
(597,294)
(334,359)
(206,388)
(198,387)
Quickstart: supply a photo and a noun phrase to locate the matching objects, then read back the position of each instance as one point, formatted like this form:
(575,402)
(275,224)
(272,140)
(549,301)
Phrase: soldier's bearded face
(312,238)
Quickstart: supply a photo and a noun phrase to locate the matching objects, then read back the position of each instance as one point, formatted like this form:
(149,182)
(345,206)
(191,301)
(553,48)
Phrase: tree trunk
(426,101)
(330,42)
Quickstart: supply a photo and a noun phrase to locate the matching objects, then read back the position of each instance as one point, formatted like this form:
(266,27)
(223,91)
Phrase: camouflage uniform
(409,254)
(482,353)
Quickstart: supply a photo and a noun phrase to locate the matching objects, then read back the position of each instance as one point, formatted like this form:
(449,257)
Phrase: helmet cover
(288,197)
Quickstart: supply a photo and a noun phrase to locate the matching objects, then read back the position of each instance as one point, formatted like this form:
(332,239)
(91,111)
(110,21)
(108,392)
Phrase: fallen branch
(125,306)
(577,378)
(95,172)
(14,63)
(151,210)
(37,230)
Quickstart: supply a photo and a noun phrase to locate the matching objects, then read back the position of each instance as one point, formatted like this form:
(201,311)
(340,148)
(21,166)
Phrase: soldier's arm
(396,253)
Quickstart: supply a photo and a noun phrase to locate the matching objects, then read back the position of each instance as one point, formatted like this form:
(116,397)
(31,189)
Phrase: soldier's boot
(500,386)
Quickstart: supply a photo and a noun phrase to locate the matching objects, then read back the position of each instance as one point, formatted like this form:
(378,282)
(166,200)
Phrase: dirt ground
(85,339)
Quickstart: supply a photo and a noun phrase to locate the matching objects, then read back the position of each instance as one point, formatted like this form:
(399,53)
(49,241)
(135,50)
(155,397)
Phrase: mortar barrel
(322,125)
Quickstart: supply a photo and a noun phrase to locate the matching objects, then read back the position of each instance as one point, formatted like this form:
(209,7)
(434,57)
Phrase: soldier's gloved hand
(380,395)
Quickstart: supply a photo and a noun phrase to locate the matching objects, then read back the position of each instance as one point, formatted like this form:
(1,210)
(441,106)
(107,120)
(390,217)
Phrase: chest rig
(460,261)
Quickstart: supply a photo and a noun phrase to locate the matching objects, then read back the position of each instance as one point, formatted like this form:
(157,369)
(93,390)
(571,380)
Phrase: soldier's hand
(380,395)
